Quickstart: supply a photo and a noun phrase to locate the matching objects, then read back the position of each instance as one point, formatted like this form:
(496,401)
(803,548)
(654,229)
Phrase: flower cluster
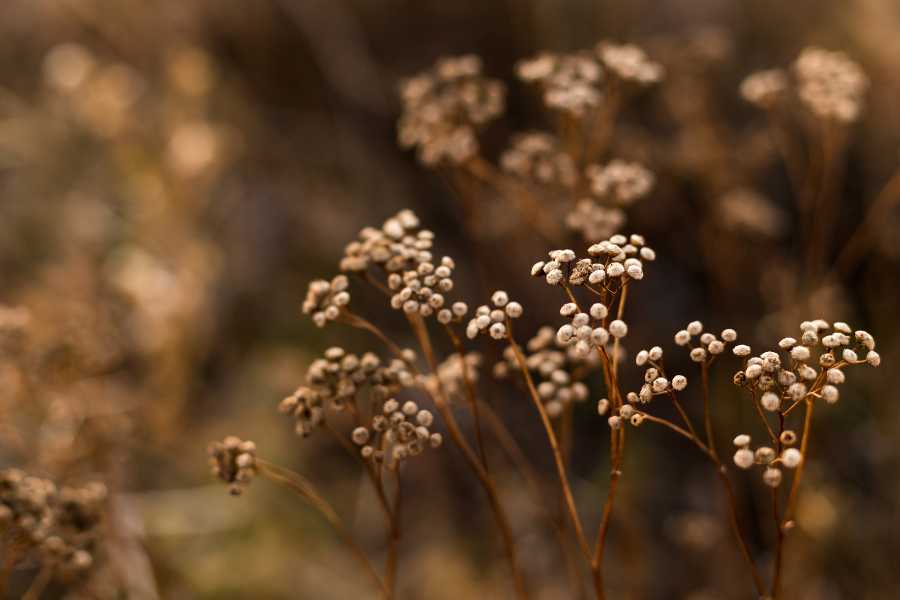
(586,331)
(559,369)
(334,380)
(398,244)
(656,382)
(764,89)
(445,106)
(573,83)
(621,182)
(399,432)
(325,299)
(494,320)
(768,457)
(421,290)
(26,504)
(618,259)
(60,526)
(745,211)
(593,220)
(451,377)
(709,345)
(569,82)
(629,63)
(778,380)
(537,156)
(830,84)
(233,460)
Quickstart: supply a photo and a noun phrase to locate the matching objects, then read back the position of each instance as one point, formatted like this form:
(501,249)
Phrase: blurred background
(173,174)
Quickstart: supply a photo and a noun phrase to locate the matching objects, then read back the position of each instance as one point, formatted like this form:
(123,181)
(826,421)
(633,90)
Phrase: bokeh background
(173,174)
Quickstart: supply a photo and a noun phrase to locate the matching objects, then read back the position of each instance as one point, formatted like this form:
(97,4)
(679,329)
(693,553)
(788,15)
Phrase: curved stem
(483,476)
(470,393)
(554,444)
(303,488)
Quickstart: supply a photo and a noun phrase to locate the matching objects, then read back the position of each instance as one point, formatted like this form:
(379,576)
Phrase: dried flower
(444,107)
(537,156)
(233,460)
(830,84)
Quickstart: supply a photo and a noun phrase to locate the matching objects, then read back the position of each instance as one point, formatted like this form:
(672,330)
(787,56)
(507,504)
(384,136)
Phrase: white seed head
(770,401)
(741,350)
(599,311)
(500,298)
(682,338)
(742,440)
(772,477)
(679,382)
(618,328)
(514,310)
(873,358)
(602,406)
(641,358)
(744,458)
(791,458)
(568,309)
(360,436)
(729,335)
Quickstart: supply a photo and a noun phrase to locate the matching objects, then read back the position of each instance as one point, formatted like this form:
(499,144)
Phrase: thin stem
(734,521)
(554,444)
(517,456)
(370,471)
(762,416)
(707,418)
(470,393)
(359,322)
(393,540)
(779,533)
(305,489)
(440,401)
(787,522)
(39,584)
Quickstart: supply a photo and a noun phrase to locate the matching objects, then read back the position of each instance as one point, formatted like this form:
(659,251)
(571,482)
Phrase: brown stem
(787,522)
(734,521)
(554,444)
(862,237)
(483,476)
(779,533)
(707,418)
(470,393)
(39,584)
(517,456)
(393,541)
(305,489)
(359,322)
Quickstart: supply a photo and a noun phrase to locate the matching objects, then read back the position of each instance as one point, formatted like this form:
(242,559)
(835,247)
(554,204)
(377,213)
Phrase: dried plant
(397,260)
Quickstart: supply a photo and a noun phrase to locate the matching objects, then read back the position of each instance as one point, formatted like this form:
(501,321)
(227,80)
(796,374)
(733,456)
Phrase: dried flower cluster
(830,85)
(537,156)
(335,379)
(401,431)
(494,319)
(233,460)
(59,528)
(444,107)
(560,370)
